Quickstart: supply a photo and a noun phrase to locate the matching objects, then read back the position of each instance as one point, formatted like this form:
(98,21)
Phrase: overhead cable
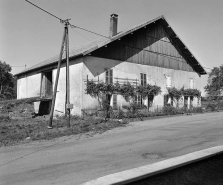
(73,26)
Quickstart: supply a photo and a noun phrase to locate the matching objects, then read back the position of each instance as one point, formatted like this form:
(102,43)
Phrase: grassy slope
(16,131)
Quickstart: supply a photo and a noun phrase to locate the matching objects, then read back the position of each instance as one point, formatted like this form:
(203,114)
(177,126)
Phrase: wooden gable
(149,45)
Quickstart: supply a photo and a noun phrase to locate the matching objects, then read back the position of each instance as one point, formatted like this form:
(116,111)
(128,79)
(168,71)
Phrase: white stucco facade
(94,68)
(155,75)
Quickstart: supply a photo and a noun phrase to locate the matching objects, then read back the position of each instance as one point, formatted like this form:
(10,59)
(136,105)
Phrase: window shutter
(111,76)
(144,79)
(141,78)
(115,101)
(106,80)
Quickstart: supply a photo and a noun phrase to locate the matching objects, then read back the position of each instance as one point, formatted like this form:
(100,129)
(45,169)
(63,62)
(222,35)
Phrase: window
(168,100)
(198,100)
(115,101)
(191,83)
(143,79)
(185,101)
(137,100)
(168,81)
(191,101)
(109,76)
(150,100)
(166,97)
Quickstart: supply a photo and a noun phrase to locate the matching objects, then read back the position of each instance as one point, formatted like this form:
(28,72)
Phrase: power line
(83,36)
(73,26)
(61,20)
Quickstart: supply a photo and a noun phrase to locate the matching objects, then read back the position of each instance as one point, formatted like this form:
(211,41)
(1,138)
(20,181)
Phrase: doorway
(47,84)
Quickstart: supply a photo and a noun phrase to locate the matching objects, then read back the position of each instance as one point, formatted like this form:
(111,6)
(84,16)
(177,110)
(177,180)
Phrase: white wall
(75,88)
(28,86)
(155,75)
(95,68)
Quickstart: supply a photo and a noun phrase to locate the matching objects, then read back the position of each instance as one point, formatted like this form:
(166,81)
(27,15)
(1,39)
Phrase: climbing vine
(127,90)
(191,92)
(177,93)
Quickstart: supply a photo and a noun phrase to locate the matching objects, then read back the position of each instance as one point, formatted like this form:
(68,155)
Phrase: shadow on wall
(97,66)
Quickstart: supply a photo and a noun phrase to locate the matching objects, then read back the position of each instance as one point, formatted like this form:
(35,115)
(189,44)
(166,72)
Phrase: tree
(7,82)
(214,87)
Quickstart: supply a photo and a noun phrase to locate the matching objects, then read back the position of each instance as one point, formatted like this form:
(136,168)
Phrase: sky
(29,36)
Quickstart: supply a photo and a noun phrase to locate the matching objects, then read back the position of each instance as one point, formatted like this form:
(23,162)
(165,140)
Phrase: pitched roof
(88,48)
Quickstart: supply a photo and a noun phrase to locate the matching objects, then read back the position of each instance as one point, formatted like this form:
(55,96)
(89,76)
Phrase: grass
(23,126)
(16,131)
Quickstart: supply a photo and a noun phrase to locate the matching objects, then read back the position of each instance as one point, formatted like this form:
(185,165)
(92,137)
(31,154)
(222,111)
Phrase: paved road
(82,158)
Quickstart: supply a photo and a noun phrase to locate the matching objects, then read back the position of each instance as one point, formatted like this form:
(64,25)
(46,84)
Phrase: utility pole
(68,106)
(65,43)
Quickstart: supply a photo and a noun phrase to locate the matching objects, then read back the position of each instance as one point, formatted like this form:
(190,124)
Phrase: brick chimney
(113,25)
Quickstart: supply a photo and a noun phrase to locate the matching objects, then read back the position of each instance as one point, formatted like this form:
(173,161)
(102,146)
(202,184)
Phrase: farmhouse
(149,53)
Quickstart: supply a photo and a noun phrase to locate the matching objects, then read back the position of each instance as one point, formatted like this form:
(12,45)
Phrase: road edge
(142,172)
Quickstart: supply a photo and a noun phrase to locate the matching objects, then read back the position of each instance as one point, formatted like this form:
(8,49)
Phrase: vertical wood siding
(141,47)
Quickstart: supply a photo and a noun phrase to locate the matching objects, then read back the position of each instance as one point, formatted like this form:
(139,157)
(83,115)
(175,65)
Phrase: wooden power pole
(68,106)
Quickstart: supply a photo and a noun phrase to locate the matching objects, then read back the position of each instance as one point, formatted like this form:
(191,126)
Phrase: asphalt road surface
(77,159)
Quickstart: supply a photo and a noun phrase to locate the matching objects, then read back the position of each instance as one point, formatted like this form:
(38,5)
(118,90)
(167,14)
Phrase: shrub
(4,118)
(170,110)
(197,110)
(211,107)
(118,114)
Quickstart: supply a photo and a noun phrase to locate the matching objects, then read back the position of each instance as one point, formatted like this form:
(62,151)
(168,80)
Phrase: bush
(4,118)
(197,110)
(170,110)
(117,114)
(211,107)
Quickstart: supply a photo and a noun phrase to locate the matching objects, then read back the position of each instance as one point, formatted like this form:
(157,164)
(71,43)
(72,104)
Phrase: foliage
(211,107)
(214,106)
(170,110)
(191,92)
(175,93)
(214,87)
(153,90)
(7,82)
(198,110)
(126,90)
(118,114)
